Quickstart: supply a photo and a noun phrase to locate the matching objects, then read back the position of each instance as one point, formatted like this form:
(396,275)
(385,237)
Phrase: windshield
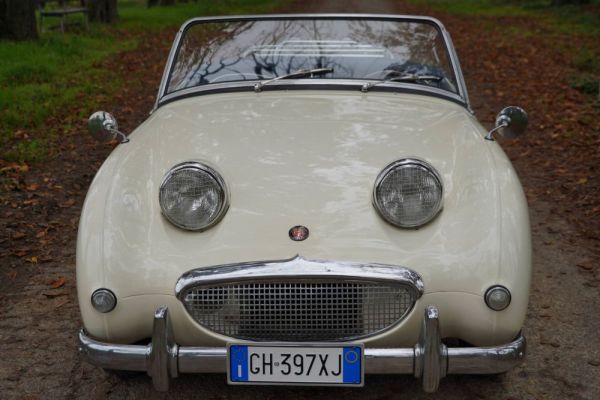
(394,51)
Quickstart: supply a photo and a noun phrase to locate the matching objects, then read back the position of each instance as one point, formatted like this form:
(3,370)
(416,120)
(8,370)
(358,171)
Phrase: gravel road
(38,324)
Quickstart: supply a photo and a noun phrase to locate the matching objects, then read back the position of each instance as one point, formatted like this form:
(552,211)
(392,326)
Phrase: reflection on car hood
(307,158)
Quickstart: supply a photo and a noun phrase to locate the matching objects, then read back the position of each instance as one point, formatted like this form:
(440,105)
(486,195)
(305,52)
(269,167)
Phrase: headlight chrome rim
(223,191)
(400,164)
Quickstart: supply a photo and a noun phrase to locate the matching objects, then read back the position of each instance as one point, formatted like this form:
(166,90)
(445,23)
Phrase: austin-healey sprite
(311,200)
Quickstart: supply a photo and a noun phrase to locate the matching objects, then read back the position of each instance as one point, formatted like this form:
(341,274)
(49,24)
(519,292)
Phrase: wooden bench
(63,12)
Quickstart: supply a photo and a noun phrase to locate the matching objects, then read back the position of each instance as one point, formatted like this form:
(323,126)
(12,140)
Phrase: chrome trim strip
(462,86)
(298,268)
(486,360)
(389,361)
(312,84)
(202,360)
(113,356)
(162,357)
(162,88)
(430,352)
(462,90)
(431,361)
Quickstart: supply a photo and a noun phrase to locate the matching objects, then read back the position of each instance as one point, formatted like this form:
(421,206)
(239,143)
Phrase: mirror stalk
(502,122)
(120,136)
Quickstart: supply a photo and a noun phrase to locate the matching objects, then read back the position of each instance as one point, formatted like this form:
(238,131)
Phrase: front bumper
(429,359)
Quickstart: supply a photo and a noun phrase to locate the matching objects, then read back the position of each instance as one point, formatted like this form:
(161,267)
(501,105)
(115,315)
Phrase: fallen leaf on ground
(62,303)
(58,283)
(15,167)
(67,204)
(586,265)
(54,293)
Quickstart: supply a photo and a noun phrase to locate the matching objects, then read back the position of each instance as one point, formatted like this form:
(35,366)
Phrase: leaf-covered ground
(506,60)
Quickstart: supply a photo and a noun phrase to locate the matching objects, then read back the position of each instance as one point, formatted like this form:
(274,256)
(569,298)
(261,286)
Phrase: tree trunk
(17,19)
(102,11)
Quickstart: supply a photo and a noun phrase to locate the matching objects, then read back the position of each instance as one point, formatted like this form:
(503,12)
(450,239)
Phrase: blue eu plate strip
(238,362)
(352,365)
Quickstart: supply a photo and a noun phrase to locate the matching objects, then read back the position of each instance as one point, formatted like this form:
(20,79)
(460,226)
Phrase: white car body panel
(311,158)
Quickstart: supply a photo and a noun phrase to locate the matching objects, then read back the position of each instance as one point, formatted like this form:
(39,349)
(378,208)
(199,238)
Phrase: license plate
(295,364)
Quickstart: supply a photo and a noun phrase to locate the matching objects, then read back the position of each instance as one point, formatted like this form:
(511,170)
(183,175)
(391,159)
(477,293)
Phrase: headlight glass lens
(193,196)
(408,193)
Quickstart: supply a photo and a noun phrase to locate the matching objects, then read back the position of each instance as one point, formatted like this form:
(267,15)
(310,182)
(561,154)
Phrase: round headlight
(408,193)
(193,196)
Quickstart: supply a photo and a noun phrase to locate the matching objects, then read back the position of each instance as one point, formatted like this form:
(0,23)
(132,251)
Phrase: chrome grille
(299,310)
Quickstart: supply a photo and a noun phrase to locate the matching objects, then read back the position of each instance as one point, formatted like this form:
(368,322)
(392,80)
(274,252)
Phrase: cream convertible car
(310,201)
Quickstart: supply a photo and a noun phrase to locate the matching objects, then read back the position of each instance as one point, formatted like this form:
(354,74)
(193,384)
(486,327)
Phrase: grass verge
(38,79)
(134,16)
(42,79)
(558,22)
(565,18)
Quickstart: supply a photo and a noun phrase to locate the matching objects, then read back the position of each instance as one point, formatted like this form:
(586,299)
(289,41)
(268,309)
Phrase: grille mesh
(299,311)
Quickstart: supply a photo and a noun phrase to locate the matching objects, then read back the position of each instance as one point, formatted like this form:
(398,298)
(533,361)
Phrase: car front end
(271,219)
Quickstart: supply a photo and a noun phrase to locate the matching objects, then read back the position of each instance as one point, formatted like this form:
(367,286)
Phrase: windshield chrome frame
(344,84)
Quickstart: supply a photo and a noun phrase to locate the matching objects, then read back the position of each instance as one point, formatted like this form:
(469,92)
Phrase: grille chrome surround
(299,300)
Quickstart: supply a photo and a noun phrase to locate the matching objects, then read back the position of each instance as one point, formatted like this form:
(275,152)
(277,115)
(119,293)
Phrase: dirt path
(39,216)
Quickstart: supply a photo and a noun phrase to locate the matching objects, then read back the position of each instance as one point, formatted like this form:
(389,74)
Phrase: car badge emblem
(298,233)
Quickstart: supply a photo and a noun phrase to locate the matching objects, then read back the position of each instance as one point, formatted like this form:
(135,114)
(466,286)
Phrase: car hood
(302,158)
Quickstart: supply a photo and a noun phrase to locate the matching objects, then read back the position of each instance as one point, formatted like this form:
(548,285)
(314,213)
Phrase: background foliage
(46,77)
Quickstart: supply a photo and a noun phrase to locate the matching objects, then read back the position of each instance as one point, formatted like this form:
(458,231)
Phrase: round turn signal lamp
(104,300)
(497,298)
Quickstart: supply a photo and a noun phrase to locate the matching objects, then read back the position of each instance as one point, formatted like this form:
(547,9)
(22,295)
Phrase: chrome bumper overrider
(430,359)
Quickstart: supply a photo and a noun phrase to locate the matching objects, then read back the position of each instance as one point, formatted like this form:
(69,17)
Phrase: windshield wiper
(296,74)
(403,78)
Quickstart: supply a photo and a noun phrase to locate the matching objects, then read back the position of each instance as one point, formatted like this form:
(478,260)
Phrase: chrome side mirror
(511,122)
(103,127)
